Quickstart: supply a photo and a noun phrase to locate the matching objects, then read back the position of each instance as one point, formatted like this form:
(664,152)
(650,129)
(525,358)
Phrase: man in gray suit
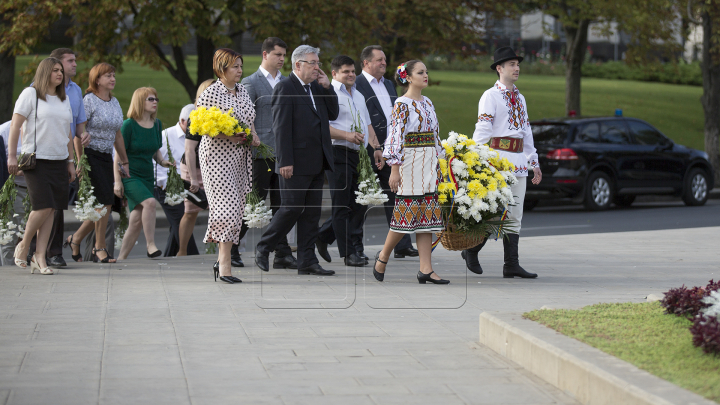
(260,86)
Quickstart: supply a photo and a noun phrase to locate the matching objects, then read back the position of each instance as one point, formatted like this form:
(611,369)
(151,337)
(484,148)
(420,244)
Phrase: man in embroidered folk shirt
(351,131)
(503,125)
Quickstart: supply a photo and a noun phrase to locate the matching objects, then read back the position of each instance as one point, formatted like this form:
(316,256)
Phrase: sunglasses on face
(152,99)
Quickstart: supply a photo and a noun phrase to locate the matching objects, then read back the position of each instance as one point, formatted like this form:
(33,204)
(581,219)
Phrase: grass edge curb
(595,379)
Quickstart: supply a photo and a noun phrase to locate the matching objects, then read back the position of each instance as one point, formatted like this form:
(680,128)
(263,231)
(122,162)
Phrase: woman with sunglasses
(141,134)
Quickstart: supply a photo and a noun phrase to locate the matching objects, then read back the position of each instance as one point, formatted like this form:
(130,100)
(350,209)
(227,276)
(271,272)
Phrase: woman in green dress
(141,133)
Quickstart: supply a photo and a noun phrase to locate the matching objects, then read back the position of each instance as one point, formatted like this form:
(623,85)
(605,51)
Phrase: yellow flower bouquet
(213,122)
(475,187)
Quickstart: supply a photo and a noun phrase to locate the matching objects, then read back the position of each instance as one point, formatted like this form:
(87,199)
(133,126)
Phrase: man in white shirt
(503,124)
(175,136)
(349,132)
(380,97)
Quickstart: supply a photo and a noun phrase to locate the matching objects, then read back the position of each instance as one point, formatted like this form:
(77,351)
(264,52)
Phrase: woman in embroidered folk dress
(412,149)
(226,166)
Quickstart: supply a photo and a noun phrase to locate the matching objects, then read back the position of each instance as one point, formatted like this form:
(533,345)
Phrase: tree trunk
(205,53)
(577,40)
(711,92)
(7,83)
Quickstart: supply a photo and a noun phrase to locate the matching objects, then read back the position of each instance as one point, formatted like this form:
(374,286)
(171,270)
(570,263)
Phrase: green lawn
(643,335)
(673,109)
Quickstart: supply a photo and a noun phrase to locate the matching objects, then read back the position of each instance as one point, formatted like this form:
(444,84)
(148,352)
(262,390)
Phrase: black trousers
(301,197)
(174,214)
(384,177)
(266,181)
(348,217)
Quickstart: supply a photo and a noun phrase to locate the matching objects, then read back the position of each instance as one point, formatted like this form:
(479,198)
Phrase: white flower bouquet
(87,208)
(256,214)
(369,191)
(175,192)
(9,229)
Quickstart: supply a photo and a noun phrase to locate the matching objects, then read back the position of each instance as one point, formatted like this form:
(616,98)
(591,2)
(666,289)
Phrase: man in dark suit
(302,107)
(380,97)
(260,86)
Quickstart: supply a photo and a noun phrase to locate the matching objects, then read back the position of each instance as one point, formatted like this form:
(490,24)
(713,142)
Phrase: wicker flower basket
(457,241)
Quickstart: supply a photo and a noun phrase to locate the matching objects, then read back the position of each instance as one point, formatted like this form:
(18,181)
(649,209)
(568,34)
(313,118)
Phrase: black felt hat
(504,54)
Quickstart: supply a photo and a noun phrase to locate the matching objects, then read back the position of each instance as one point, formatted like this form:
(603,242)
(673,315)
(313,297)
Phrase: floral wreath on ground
(475,187)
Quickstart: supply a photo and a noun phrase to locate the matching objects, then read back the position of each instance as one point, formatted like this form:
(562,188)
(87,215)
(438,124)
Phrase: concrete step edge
(591,376)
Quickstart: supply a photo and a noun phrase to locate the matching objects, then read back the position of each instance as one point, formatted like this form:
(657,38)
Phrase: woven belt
(507,144)
(419,139)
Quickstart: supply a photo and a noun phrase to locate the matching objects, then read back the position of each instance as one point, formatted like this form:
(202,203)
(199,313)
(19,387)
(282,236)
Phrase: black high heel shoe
(378,276)
(423,278)
(96,259)
(69,242)
(154,254)
(227,279)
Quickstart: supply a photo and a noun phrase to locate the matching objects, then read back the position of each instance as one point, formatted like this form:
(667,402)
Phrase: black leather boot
(471,258)
(512,263)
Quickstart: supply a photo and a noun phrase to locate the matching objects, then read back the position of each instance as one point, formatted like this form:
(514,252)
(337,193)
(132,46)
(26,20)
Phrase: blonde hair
(204,85)
(137,103)
(97,72)
(223,59)
(43,74)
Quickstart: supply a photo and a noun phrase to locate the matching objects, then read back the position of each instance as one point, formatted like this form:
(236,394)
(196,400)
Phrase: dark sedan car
(600,161)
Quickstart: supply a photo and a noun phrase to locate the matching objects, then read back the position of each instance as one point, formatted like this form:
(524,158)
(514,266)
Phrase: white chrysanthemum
(370,193)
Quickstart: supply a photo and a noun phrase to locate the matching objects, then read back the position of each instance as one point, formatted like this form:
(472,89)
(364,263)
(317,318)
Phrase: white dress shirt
(176,137)
(352,108)
(381,93)
(499,118)
(272,80)
(303,84)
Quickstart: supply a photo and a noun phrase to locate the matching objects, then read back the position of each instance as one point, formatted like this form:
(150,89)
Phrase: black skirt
(47,184)
(101,176)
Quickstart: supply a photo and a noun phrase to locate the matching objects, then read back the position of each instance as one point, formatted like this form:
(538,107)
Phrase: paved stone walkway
(161,331)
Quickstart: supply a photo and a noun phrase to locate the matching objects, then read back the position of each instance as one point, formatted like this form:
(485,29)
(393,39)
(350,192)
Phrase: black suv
(599,161)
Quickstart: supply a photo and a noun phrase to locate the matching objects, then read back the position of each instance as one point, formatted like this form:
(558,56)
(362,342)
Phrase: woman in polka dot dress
(226,167)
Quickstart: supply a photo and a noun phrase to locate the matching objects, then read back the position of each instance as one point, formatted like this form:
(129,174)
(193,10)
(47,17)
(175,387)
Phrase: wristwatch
(71,161)
(378,147)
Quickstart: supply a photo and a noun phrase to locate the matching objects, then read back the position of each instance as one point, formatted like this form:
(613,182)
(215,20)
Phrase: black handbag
(27,161)
(198,198)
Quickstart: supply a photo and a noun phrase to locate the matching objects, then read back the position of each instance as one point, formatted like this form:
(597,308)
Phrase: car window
(614,132)
(550,134)
(588,133)
(645,134)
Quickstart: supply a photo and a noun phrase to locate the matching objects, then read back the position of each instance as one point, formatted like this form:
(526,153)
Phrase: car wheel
(695,189)
(599,192)
(624,200)
(528,205)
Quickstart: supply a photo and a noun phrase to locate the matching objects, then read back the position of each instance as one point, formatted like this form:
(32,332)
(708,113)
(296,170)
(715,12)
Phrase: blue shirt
(74,93)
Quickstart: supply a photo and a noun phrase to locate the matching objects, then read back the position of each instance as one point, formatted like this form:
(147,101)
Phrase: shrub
(706,334)
(687,302)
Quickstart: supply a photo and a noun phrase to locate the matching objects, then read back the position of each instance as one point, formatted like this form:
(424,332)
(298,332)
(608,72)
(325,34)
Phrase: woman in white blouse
(412,149)
(44,112)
